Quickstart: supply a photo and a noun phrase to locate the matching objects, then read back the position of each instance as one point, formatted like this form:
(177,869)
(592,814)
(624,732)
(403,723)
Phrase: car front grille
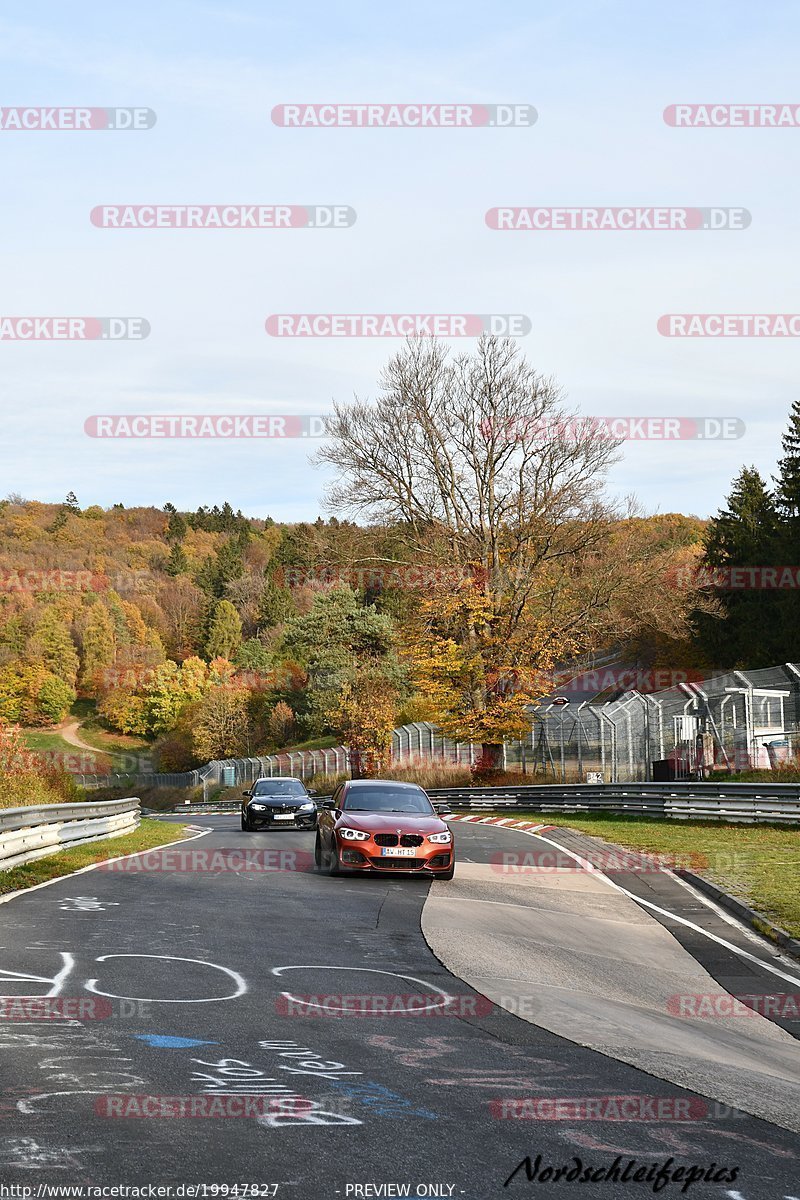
(398,864)
(385,839)
(391,839)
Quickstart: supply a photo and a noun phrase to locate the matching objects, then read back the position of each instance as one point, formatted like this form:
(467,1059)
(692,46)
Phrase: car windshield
(280,787)
(400,800)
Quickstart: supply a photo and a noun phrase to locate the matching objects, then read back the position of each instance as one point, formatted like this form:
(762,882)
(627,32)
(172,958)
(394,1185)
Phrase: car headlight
(258,806)
(353,835)
(441,838)
(308,805)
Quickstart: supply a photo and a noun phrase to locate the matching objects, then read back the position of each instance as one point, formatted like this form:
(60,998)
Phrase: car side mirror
(312,791)
(443,810)
(245,793)
(327,804)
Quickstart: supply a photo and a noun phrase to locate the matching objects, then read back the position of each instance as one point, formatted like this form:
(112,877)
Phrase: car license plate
(398,852)
(283,817)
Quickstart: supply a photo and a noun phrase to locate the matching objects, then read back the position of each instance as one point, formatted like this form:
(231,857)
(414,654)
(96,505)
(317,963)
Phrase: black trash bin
(663,770)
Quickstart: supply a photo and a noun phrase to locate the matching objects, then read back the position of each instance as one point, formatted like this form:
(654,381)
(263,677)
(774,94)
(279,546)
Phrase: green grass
(94,733)
(149,834)
(758,864)
(46,739)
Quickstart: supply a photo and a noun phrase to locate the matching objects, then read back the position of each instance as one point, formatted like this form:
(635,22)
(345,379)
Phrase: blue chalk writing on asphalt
(167,1042)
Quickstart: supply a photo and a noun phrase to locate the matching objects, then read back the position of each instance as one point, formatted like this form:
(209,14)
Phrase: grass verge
(758,864)
(47,739)
(149,834)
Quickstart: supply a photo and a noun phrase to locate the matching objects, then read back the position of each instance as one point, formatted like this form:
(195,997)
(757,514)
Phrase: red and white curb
(507,822)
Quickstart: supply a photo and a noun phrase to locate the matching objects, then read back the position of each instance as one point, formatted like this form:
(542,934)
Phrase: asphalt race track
(197,975)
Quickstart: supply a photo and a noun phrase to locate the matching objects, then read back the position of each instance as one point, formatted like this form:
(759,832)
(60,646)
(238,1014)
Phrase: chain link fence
(732,722)
(736,721)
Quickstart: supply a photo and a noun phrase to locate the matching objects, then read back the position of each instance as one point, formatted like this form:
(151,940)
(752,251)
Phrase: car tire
(245,824)
(334,866)
(446,874)
(317,854)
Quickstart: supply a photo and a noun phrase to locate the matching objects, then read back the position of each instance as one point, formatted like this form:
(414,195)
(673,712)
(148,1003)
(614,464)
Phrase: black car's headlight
(353,835)
(308,806)
(258,806)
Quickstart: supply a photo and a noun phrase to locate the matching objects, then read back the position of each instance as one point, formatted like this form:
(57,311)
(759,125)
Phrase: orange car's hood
(374,822)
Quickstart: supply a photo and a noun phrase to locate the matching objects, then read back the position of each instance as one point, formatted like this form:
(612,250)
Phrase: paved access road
(186,973)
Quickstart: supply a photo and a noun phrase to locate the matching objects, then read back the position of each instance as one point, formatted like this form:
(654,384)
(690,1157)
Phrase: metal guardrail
(748,802)
(213,806)
(30,833)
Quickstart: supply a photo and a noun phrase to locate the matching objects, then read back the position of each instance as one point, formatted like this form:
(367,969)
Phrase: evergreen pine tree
(225,632)
(176,528)
(177,563)
(745,534)
(787,496)
(787,492)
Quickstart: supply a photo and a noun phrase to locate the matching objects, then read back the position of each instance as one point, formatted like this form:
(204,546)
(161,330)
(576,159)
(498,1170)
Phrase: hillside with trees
(466,557)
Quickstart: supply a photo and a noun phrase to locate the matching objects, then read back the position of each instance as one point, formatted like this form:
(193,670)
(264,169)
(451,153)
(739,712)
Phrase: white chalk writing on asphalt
(55,983)
(85,904)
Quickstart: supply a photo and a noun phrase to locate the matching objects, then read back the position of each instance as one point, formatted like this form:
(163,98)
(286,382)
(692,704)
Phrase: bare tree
(482,464)
(479,457)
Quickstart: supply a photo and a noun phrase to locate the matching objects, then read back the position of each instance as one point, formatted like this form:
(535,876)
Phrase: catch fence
(732,722)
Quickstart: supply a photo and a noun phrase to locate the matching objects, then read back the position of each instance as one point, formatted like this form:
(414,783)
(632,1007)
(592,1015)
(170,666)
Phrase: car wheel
(245,824)
(334,866)
(317,854)
(446,874)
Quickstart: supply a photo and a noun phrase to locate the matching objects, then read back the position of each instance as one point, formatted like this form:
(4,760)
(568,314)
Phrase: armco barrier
(30,833)
(748,802)
(777,803)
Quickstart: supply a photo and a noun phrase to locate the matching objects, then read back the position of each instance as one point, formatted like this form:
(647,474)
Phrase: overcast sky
(599,75)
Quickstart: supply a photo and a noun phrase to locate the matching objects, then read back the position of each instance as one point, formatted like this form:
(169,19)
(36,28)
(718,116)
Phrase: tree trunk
(491,760)
(356,764)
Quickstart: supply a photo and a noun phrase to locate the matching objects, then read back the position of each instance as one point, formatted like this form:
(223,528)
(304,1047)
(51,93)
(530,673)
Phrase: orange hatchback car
(382,825)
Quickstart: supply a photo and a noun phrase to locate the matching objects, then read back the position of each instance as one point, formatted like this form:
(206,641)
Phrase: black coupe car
(282,802)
